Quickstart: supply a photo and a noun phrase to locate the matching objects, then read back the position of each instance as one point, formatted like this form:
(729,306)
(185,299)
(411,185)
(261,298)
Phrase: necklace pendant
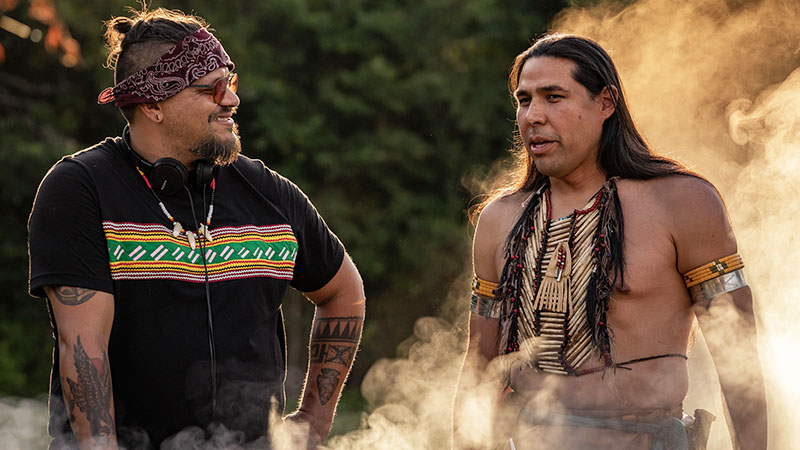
(177,228)
(204,232)
(554,293)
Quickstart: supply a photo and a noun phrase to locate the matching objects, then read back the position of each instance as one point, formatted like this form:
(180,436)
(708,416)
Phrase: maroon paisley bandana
(195,56)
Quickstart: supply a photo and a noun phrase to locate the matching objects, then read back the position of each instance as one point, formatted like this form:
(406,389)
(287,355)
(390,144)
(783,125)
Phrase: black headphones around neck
(168,175)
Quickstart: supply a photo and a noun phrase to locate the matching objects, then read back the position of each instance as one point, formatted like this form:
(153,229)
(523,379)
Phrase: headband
(195,56)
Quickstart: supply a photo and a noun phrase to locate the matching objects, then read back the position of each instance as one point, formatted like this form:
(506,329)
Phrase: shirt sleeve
(319,253)
(66,243)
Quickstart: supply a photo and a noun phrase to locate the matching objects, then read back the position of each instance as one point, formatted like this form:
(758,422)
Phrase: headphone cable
(211,345)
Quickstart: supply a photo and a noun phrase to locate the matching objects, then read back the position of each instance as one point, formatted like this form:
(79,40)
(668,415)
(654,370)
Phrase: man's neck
(574,191)
(151,145)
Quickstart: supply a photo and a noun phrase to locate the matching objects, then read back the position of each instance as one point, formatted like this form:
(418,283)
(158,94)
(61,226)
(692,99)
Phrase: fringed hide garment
(558,280)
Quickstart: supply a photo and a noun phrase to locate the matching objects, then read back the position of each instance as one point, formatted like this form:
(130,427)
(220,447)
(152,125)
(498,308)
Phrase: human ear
(152,111)
(608,100)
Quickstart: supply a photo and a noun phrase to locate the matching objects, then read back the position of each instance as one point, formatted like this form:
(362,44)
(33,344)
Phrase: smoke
(715,84)
(22,423)
(769,129)
(413,395)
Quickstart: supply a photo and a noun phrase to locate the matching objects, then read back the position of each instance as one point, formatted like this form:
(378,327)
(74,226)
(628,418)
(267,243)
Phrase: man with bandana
(590,269)
(165,255)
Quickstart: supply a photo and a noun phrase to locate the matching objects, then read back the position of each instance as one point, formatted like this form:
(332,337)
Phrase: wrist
(315,428)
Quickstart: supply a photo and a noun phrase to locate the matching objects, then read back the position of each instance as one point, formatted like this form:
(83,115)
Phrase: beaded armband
(483,302)
(715,278)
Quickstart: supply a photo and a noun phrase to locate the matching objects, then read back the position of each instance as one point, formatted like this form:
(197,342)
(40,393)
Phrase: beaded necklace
(177,228)
(555,286)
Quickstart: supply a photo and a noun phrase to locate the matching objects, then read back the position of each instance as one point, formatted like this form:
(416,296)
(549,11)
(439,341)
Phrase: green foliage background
(377,109)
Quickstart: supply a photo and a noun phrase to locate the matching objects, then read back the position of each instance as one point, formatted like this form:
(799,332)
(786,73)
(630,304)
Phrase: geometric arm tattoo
(92,394)
(333,342)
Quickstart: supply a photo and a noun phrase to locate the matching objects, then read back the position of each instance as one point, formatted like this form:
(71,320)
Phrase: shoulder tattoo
(72,296)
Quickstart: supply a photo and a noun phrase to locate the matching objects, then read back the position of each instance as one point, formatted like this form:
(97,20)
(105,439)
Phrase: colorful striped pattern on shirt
(149,251)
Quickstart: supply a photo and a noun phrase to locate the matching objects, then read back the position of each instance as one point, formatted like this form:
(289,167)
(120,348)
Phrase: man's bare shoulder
(692,211)
(494,224)
(504,209)
(677,194)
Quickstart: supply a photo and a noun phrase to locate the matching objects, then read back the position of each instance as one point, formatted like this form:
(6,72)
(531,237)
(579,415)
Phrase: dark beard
(220,152)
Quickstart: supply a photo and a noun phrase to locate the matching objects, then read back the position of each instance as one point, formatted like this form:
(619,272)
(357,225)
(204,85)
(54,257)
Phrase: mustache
(537,133)
(223,110)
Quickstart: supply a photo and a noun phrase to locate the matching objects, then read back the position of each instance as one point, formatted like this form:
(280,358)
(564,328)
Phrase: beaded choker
(177,228)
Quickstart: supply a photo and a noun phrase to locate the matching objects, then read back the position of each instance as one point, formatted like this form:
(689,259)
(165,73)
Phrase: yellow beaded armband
(483,301)
(484,288)
(712,270)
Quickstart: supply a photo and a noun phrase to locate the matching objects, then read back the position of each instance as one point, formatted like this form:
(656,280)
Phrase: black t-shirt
(96,225)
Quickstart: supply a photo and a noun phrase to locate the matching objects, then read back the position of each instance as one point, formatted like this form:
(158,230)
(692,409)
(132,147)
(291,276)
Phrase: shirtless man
(592,318)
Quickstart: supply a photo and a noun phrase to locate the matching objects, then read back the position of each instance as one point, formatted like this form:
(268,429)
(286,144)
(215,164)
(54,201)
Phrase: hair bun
(123,24)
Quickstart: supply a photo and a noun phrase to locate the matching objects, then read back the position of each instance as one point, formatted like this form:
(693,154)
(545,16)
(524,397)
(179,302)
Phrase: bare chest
(650,310)
(649,249)
(650,297)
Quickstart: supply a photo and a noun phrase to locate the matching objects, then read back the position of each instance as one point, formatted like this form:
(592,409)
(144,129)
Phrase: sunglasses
(219,89)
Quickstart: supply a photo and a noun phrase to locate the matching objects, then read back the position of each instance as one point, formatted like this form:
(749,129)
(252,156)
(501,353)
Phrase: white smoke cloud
(22,423)
(412,396)
(767,189)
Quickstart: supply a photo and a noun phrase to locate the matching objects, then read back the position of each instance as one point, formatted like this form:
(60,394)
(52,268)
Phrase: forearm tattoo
(333,341)
(91,393)
(327,382)
(71,296)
